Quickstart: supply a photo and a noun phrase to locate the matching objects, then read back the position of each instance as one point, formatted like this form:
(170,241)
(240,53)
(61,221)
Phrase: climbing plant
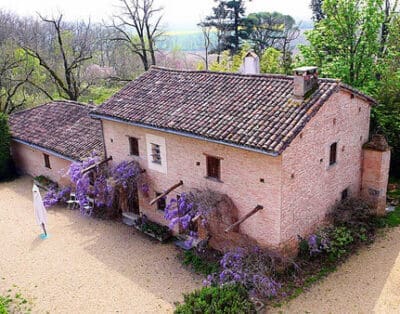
(191,208)
(100,182)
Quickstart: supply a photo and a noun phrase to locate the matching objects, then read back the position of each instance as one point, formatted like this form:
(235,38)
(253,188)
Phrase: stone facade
(241,172)
(310,185)
(31,161)
(296,188)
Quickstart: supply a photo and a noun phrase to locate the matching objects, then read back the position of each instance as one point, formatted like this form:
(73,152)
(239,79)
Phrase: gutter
(194,136)
(52,152)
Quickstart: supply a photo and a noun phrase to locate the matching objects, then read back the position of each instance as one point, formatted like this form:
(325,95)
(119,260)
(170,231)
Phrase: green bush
(228,299)
(340,239)
(6,166)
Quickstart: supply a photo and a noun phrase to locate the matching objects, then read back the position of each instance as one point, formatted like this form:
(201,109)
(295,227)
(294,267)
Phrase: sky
(178,14)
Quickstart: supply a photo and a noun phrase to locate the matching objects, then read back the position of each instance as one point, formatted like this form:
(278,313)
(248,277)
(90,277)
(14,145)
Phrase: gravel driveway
(369,282)
(87,265)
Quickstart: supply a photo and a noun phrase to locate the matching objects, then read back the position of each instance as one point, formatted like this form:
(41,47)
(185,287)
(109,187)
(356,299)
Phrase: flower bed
(269,279)
(152,229)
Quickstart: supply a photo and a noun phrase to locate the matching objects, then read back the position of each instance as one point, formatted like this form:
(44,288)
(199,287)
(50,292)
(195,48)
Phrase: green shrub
(227,299)
(5,158)
(199,264)
(340,239)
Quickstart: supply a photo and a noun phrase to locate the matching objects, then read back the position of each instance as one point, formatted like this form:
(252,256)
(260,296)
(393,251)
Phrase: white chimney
(305,81)
(251,64)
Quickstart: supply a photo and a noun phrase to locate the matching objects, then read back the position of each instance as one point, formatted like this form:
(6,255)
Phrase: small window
(133,146)
(332,154)
(213,167)
(46,161)
(345,194)
(161,203)
(156,153)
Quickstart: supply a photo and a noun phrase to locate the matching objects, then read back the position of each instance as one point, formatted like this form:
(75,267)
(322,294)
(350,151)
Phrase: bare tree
(73,46)
(139,27)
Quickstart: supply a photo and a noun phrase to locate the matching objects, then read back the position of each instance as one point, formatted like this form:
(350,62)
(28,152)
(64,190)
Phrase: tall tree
(218,21)
(317,12)
(386,116)
(237,12)
(72,48)
(265,29)
(13,78)
(389,8)
(345,43)
(138,26)
(227,18)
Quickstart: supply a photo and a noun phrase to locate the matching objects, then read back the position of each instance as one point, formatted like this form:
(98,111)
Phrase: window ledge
(214,179)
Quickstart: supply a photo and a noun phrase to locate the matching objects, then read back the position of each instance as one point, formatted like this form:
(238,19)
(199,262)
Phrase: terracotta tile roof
(252,111)
(64,127)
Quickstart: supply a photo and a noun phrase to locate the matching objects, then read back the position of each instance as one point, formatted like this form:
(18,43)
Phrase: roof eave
(181,133)
(44,149)
(359,94)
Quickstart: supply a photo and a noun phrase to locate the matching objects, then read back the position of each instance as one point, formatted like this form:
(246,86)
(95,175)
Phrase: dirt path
(87,265)
(367,283)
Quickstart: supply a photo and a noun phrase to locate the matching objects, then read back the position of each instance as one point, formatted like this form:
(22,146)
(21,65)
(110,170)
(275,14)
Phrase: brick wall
(241,171)
(375,178)
(30,161)
(310,185)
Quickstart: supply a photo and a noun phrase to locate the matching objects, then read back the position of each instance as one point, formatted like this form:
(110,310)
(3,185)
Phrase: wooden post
(166,192)
(96,164)
(249,214)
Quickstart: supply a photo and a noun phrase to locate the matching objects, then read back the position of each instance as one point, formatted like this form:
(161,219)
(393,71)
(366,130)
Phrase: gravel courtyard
(94,266)
(87,265)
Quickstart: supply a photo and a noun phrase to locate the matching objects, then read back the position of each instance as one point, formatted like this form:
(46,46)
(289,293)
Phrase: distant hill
(193,40)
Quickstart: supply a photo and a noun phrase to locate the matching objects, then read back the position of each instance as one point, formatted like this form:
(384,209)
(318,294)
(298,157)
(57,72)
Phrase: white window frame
(152,140)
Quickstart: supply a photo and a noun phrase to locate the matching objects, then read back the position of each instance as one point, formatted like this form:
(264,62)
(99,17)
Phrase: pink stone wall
(241,171)
(310,186)
(375,178)
(31,161)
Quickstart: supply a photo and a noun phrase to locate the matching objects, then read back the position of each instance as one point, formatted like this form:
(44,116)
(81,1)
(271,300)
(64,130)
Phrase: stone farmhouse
(47,138)
(295,145)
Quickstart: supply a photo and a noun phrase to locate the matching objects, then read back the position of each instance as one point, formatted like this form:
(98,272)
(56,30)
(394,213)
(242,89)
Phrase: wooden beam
(96,164)
(166,192)
(249,214)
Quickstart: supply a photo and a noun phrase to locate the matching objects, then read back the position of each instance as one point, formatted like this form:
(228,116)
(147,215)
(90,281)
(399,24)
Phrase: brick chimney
(251,64)
(305,81)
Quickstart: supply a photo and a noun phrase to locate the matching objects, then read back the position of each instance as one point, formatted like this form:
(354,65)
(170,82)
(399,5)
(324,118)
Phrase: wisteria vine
(190,207)
(100,183)
(253,268)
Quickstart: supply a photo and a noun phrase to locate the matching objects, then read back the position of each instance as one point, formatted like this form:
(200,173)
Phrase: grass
(392,219)
(14,303)
(4,305)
